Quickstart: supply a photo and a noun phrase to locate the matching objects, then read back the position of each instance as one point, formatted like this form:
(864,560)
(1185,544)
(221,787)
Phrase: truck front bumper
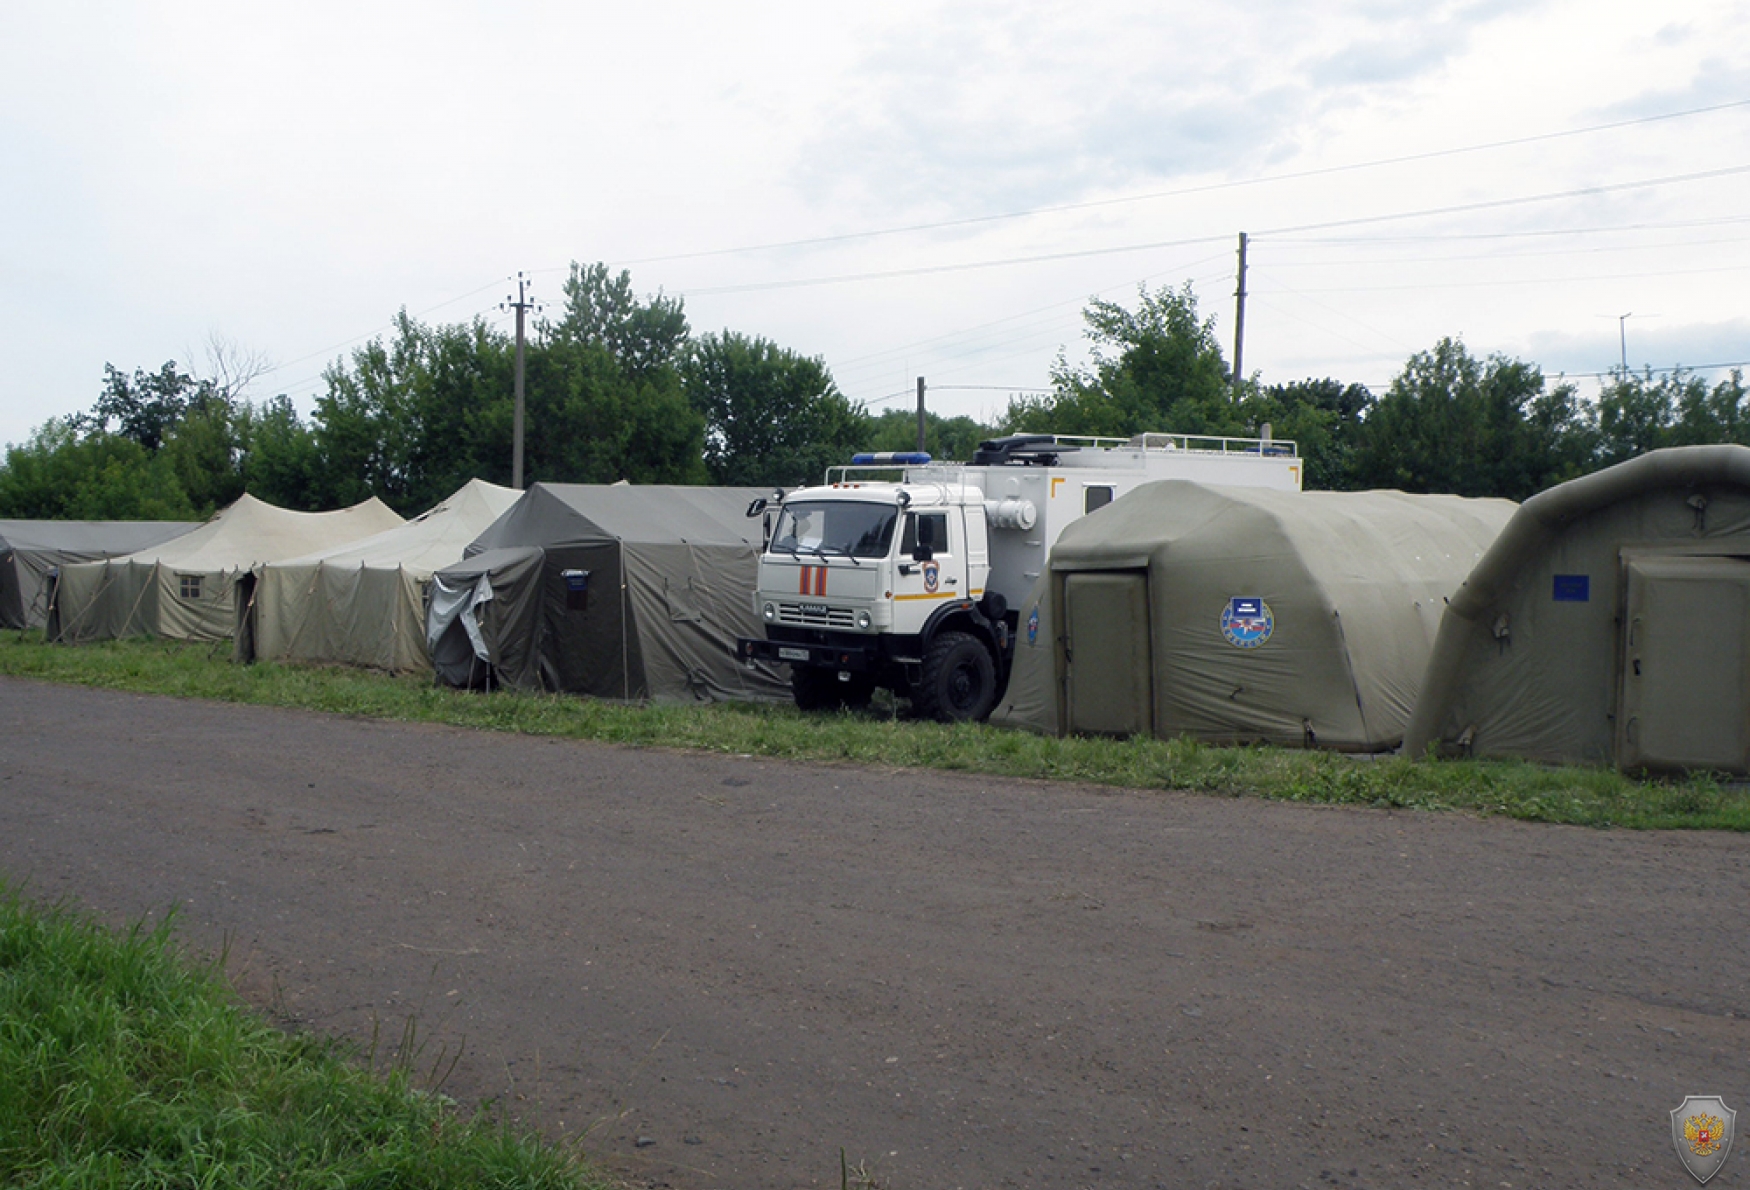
(858,658)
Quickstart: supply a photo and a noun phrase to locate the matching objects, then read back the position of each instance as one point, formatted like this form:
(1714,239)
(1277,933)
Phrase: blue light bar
(903,458)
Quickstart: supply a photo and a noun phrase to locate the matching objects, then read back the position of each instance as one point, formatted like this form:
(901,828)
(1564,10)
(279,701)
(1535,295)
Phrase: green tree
(205,450)
(772,417)
(1453,423)
(590,421)
(64,474)
(601,308)
(283,463)
(415,415)
(1638,413)
(1322,417)
(1155,368)
(145,407)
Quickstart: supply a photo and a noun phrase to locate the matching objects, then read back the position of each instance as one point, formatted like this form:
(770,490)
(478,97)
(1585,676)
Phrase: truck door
(920,586)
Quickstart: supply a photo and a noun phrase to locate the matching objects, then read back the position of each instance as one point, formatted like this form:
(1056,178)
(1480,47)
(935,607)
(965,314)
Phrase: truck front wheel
(958,682)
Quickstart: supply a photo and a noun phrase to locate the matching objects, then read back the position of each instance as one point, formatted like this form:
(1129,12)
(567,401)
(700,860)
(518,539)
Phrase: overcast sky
(903,189)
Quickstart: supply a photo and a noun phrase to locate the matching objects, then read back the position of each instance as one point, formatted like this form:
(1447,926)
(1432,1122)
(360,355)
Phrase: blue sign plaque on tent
(1572,588)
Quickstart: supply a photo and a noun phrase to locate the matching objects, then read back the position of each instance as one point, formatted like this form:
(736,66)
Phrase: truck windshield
(835,527)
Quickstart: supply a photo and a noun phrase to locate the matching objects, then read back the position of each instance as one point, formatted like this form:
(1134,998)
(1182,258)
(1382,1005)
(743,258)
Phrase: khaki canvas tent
(186,587)
(364,603)
(30,551)
(623,592)
(1238,615)
(1609,624)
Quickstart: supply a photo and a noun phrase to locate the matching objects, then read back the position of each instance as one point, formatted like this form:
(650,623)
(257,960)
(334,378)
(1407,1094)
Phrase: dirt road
(731,968)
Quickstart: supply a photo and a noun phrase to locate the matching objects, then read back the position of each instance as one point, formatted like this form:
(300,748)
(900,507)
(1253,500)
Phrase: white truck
(906,574)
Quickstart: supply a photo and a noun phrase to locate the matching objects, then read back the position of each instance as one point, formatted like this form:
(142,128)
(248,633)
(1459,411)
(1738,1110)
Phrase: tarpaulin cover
(30,550)
(186,588)
(640,593)
(1530,659)
(1297,618)
(363,603)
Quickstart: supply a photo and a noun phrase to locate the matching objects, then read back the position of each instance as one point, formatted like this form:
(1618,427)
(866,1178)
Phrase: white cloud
(290,177)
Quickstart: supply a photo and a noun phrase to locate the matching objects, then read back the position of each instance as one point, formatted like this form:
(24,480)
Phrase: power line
(1423,285)
(1495,204)
(1010,261)
(1093,204)
(925,270)
(1681,225)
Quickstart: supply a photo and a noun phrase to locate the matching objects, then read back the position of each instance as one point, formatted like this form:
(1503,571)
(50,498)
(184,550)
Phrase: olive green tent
(617,591)
(1235,615)
(186,588)
(1609,624)
(31,551)
(363,603)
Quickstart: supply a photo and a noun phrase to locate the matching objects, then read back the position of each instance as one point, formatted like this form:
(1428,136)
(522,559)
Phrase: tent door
(1683,702)
(1108,655)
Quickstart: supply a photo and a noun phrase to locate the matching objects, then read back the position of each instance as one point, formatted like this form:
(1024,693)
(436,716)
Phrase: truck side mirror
(922,553)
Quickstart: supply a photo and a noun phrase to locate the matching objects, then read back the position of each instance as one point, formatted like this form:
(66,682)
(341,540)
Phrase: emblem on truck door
(932,575)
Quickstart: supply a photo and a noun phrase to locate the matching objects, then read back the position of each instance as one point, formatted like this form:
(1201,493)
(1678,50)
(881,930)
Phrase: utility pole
(921,422)
(1622,335)
(522,306)
(1240,321)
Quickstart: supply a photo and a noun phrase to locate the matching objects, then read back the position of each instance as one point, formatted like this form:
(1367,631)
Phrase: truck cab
(859,582)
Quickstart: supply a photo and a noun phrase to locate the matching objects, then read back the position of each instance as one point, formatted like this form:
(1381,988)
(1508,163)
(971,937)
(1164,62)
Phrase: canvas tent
(1235,615)
(1609,624)
(363,603)
(624,592)
(31,550)
(186,587)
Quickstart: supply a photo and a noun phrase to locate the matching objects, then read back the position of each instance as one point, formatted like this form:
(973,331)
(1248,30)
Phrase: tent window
(189,586)
(1096,496)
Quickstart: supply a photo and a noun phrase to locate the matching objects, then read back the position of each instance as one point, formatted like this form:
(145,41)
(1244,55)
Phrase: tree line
(619,387)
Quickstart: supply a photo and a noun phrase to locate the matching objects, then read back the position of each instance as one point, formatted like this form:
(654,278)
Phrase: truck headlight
(769,611)
(863,621)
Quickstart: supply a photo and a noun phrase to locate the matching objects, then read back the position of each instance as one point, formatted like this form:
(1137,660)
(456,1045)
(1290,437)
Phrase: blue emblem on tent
(1572,588)
(1246,621)
(1033,626)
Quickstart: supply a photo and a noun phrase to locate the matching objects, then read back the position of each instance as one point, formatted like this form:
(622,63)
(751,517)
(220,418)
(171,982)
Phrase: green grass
(125,1064)
(1540,793)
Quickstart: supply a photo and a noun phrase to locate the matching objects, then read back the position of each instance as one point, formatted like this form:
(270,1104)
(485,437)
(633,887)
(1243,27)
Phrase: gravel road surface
(727,970)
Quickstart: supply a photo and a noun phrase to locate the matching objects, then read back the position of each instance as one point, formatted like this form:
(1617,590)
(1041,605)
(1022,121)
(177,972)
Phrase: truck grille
(816,615)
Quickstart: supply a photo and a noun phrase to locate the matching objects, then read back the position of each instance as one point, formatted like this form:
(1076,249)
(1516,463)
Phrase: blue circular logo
(1246,621)
(1033,626)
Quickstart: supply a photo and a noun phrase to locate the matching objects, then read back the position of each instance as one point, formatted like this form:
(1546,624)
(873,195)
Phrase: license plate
(792,654)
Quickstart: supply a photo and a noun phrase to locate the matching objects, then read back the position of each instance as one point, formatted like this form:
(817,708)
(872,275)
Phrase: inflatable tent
(30,551)
(186,588)
(1610,624)
(364,603)
(614,591)
(1238,615)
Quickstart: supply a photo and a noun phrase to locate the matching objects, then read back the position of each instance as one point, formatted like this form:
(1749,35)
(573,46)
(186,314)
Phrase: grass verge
(122,1064)
(1517,789)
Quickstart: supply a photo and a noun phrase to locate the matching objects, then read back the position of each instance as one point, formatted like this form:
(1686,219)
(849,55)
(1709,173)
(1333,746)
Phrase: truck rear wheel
(958,682)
